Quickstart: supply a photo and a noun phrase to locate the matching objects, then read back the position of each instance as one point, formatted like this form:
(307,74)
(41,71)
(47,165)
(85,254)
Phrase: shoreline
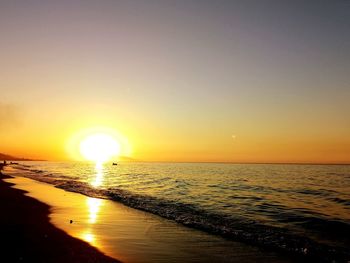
(266,237)
(295,249)
(132,235)
(27,235)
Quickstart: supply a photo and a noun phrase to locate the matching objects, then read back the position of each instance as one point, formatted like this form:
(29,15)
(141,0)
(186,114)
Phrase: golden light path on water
(97,147)
(99,175)
(93,205)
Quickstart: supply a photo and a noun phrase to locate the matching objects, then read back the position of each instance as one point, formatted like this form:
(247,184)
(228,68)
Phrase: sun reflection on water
(94,207)
(99,175)
(88,237)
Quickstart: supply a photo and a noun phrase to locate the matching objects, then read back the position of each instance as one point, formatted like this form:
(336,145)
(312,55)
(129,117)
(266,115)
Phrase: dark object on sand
(115,164)
(70,221)
(2,165)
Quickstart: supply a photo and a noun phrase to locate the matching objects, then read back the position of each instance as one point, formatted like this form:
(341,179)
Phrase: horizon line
(208,162)
(130,159)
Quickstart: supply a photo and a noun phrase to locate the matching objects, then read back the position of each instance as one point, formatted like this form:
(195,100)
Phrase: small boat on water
(115,164)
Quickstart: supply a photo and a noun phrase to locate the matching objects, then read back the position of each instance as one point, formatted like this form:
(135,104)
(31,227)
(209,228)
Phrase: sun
(98,144)
(99,147)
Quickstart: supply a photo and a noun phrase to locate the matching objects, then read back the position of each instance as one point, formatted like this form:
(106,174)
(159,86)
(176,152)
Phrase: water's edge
(240,229)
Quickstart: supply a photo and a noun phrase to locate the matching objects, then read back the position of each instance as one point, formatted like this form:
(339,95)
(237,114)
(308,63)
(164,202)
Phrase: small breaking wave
(239,229)
(229,226)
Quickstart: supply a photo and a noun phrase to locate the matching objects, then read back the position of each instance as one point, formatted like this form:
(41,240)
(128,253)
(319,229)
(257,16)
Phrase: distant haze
(227,81)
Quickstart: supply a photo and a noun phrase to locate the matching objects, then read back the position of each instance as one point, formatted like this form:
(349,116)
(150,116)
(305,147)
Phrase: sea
(299,209)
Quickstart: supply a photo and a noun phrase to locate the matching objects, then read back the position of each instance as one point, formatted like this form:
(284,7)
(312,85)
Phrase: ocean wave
(229,226)
(239,229)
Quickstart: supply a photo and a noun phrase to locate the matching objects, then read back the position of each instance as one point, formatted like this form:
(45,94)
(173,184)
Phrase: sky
(211,81)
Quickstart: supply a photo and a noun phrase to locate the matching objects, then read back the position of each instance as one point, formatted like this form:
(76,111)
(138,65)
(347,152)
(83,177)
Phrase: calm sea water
(302,208)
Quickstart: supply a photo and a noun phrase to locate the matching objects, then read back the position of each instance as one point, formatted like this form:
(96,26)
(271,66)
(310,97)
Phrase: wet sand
(26,235)
(136,236)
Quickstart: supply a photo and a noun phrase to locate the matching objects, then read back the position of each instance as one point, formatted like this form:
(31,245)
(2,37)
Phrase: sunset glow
(186,82)
(97,144)
(99,148)
(167,124)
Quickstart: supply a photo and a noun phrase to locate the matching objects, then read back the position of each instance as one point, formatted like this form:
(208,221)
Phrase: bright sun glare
(99,147)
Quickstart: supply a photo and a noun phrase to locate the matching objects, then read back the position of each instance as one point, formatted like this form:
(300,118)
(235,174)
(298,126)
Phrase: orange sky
(186,82)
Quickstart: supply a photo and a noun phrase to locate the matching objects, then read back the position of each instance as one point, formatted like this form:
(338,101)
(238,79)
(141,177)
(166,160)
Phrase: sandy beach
(28,236)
